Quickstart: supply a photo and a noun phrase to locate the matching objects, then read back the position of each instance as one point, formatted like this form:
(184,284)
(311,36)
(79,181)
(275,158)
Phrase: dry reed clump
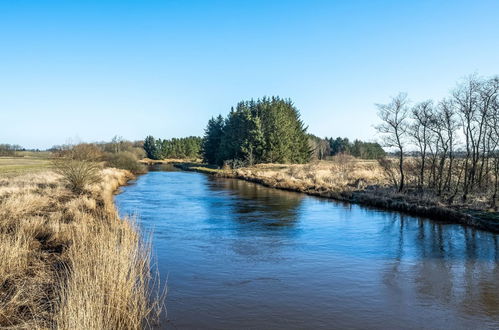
(67,261)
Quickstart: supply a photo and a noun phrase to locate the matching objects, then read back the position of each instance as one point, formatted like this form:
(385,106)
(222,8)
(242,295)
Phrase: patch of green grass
(13,166)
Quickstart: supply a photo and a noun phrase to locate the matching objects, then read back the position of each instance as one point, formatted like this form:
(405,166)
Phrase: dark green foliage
(150,147)
(340,145)
(188,147)
(367,150)
(263,131)
(211,141)
(323,148)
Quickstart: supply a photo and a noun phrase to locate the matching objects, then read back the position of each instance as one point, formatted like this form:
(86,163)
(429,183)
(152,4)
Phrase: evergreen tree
(211,140)
(188,147)
(266,130)
(151,148)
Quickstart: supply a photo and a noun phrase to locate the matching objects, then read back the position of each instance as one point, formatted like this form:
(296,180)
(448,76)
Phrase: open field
(24,162)
(67,261)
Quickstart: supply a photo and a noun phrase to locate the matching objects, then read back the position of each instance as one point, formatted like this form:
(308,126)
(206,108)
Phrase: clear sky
(90,70)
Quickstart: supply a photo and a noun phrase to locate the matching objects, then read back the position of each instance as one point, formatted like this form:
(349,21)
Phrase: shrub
(139,152)
(77,173)
(78,166)
(125,160)
(388,167)
(344,163)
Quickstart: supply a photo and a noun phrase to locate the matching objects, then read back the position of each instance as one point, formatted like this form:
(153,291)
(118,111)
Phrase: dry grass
(337,175)
(68,261)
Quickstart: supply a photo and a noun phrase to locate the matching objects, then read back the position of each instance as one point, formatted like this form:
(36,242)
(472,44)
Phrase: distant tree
(339,145)
(9,149)
(188,147)
(321,147)
(211,140)
(366,150)
(150,147)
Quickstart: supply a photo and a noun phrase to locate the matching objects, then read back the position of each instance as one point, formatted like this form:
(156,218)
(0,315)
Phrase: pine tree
(150,147)
(212,139)
(266,130)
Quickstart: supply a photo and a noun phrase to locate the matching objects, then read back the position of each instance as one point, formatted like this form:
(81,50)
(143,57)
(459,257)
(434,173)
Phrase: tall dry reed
(67,261)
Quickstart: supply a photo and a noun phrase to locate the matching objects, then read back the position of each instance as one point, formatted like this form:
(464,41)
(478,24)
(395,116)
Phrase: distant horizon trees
(187,147)
(9,149)
(328,147)
(268,130)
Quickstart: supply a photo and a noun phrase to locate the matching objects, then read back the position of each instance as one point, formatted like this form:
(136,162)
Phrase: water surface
(239,255)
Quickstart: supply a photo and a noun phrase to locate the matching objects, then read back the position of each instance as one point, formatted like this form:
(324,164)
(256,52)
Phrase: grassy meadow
(24,162)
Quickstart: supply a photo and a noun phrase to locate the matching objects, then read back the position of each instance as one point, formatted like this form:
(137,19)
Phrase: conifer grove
(267,130)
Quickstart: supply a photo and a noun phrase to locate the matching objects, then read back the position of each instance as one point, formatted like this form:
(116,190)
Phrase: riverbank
(360,182)
(68,261)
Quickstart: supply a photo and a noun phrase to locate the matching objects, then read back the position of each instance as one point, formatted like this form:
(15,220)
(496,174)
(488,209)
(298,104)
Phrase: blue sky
(90,70)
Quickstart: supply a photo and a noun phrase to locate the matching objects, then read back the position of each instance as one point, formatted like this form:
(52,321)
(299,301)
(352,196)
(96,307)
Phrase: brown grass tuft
(67,261)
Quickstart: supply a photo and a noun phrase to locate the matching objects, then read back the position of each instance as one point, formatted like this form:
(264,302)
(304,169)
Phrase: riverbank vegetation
(453,144)
(442,155)
(67,260)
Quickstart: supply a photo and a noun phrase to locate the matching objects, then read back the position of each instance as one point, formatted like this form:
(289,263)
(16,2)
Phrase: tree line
(326,147)
(267,130)
(455,141)
(188,147)
(10,149)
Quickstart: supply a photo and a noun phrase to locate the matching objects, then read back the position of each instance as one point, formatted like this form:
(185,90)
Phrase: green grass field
(24,162)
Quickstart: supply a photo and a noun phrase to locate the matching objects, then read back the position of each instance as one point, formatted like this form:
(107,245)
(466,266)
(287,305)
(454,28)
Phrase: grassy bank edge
(483,220)
(68,260)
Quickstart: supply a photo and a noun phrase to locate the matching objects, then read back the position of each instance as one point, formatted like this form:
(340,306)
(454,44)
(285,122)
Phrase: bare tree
(457,141)
(420,132)
(450,124)
(466,97)
(394,128)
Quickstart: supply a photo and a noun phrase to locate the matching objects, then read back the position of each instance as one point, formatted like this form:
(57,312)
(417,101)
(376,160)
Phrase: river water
(239,255)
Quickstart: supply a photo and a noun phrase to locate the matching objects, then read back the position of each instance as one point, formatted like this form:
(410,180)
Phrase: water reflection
(241,255)
(253,203)
(448,265)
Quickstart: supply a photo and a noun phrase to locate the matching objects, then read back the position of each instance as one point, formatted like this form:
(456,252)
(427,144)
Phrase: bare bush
(344,163)
(389,168)
(78,166)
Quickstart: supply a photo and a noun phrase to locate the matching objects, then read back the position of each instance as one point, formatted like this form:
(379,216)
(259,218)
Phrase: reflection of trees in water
(453,265)
(263,218)
(254,203)
(160,167)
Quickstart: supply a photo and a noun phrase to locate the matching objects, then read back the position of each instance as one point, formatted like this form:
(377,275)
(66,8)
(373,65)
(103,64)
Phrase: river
(239,255)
